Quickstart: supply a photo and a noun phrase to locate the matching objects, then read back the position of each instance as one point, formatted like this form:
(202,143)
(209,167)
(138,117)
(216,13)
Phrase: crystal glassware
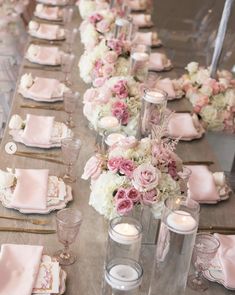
(205,248)
(184,176)
(122,277)
(68,222)
(70,36)
(70,150)
(122,28)
(70,104)
(67,16)
(67,63)
(139,61)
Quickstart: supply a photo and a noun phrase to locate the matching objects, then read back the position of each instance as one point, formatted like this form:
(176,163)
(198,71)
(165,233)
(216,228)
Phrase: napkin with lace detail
(48,12)
(159,62)
(45,55)
(46,31)
(142,20)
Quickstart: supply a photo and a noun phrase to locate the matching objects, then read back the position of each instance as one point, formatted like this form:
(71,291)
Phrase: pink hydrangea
(121,89)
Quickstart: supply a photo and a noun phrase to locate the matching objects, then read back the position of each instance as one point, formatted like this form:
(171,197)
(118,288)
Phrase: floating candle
(181,222)
(125,233)
(114,138)
(155,97)
(140,56)
(108,122)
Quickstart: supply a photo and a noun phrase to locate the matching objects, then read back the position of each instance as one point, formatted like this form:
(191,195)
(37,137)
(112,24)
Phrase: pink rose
(150,197)
(133,195)
(124,206)
(92,168)
(145,177)
(98,82)
(114,164)
(111,57)
(120,111)
(108,70)
(121,89)
(127,167)
(116,45)
(120,194)
(103,26)
(94,18)
(90,95)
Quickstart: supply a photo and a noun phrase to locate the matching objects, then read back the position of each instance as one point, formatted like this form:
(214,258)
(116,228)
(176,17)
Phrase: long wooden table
(85,276)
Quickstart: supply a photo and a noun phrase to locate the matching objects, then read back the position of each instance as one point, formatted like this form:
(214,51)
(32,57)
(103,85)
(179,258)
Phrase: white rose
(16,122)
(230,97)
(201,76)
(33,50)
(6,179)
(26,81)
(219,101)
(86,8)
(39,8)
(207,90)
(192,67)
(219,178)
(33,26)
(209,114)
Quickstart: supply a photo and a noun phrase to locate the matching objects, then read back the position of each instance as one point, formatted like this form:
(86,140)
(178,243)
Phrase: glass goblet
(68,222)
(70,104)
(70,36)
(205,248)
(67,62)
(70,150)
(67,16)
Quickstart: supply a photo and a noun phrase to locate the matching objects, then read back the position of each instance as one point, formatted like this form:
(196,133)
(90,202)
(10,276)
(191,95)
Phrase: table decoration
(212,99)
(49,13)
(122,276)
(117,178)
(119,97)
(142,20)
(17,194)
(38,131)
(67,63)
(46,31)
(44,55)
(139,62)
(54,2)
(70,106)
(172,87)
(147,38)
(207,187)
(184,126)
(159,62)
(139,5)
(108,59)
(87,7)
(175,244)
(206,246)
(41,89)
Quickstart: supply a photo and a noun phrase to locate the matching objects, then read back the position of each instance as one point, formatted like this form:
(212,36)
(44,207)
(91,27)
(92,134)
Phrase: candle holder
(122,28)
(122,277)
(124,241)
(153,108)
(139,62)
(174,246)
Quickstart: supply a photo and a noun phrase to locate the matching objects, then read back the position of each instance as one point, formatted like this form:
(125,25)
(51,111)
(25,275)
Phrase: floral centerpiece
(212,99)
(133,173)
(118,97)
(87,7)
(108,59)
(96,26)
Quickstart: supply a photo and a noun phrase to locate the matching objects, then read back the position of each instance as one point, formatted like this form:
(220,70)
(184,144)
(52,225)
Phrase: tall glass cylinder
(122,28)
(124,241)
(122,277)
(174,246)
(139,62)
(152,111)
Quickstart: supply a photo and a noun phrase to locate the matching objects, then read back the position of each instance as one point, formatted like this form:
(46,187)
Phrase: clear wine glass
(70,104)
(70,36)
(67,62)
(70,150)
(68,222)
(67,16)
(205,248)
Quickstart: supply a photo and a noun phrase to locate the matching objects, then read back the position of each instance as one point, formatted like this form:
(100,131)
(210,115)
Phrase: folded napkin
(182,125)
(144,38)
(38,130)
(226,256)
(19,265)
(31,189)
(43,88)
(202,186)
(48,12)
(158,61)
(142,20)
(48,31)
(48,55)
(167,86)
(137,4)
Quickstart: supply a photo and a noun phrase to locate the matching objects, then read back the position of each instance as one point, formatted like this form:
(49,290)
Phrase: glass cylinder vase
(174,248)
(139,62)
(122,28)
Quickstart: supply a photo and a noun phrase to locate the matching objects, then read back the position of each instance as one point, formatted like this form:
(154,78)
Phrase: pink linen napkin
(201,185)
(157,61)
(50,12)
(167,86)
(31,189)
(181,125)
(141,20)
(48,55)
(38,130)
(136,5)
(43,87)
(48,31)
(226,256)
(19,265)
(144,38)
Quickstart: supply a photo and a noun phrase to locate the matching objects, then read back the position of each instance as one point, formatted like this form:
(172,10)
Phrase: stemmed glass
(70,36)
(205,248)
(70,104)
(67,16)
(70,151)
(68,222)
(67,62)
